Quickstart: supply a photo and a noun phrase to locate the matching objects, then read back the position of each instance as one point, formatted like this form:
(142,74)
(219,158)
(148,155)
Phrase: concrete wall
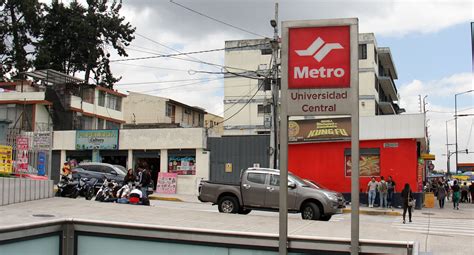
(134,103)
(17,190)
(28,96)
(392,127)
(42,115)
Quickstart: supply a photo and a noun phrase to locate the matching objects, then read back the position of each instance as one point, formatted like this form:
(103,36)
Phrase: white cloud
(438,91)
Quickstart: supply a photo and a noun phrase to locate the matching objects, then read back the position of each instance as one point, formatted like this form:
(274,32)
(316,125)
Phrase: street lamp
(448,168)
(456,122)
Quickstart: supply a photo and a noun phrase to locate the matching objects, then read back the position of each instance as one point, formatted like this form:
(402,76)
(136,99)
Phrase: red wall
(324,163)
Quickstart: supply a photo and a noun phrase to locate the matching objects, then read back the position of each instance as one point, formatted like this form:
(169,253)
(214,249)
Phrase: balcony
(386,61)
(20,97)
(388,87)
(390,108)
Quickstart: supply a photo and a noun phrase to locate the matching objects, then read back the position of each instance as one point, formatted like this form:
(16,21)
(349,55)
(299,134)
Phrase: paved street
(437,231)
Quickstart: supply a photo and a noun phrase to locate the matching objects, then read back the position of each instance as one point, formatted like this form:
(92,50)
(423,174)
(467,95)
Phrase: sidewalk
(466,212)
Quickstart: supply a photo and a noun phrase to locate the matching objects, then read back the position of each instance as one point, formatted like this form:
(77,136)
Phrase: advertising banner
(41,163)
(5,159)
(97,139)
(42,140)
(319,129)
(182,165)
(166,183)
(22,147)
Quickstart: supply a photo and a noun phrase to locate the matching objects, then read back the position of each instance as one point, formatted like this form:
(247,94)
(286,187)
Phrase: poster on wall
(369,165)
(5,159)
(22,154)
(182,165)
(166,183)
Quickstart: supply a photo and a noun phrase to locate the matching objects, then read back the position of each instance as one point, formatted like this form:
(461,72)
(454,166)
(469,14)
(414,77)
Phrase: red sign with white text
(319,57)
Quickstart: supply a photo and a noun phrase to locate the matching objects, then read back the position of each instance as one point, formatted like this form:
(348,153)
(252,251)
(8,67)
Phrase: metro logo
(319,57)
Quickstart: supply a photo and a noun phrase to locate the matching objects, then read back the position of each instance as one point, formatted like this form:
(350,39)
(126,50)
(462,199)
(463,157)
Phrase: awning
(54,77)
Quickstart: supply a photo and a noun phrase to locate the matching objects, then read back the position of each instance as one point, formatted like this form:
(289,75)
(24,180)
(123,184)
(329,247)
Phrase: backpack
(383,187)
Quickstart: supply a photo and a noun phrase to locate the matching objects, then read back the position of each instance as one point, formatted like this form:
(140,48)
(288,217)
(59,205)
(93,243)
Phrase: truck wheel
(244,211)
(326,217)
(310,211)
(228,204)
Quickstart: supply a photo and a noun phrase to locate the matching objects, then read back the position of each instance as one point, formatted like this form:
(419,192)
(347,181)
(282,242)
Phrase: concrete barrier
(17,190)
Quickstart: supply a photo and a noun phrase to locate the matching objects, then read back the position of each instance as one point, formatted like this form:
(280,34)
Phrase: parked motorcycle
(107,191)
(69,187)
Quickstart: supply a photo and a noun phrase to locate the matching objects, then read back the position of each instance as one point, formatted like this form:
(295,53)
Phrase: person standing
(407,200)
(372,191)
(456,195)
(145,180)
(391,191)
(383,190)
(441,194)
(130,177)
(464,193)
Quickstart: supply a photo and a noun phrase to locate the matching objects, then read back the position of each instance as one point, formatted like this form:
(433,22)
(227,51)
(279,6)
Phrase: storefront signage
(182,165)
(5,159)
(22,147)
(97,139)
(166,183)
(42,140)
(319,129)
(390,145)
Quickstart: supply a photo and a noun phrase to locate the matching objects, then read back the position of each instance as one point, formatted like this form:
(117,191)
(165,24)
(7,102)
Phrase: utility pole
(275,93)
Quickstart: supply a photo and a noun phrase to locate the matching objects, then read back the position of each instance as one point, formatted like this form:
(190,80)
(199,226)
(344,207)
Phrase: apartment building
(249,103)
(160,112)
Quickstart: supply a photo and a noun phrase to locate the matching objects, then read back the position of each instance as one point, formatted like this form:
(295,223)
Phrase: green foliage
(76,38)
(19,26)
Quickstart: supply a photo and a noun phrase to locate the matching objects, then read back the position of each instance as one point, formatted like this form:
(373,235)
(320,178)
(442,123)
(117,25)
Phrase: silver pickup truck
(259,189)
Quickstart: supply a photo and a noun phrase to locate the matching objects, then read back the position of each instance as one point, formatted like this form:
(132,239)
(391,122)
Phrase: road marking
(437,226)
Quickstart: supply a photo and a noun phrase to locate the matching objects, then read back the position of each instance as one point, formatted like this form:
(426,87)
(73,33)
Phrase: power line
(154,67)
(186,53)
(216,20)
(169,81)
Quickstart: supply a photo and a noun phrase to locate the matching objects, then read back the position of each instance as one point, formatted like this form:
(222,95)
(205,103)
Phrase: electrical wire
(216,20)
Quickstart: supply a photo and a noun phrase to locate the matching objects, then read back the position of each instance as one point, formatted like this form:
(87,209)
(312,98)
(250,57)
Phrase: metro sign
(319,57)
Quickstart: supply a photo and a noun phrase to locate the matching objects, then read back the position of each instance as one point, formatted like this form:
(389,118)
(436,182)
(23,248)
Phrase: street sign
(42,140)
(320,77)
(22,147)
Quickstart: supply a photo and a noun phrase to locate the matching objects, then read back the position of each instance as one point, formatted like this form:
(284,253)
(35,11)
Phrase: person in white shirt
(372,190)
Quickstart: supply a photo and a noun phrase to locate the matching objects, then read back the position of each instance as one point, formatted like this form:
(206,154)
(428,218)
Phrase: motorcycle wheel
(89,193)
(75,193)
(58,193)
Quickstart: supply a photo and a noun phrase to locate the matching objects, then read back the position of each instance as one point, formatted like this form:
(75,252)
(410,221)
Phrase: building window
(169,110)
(112,125)
(88,95)
(362,51)
(101,98)
(261,109)
(86,123)
(114,102)
(100,123)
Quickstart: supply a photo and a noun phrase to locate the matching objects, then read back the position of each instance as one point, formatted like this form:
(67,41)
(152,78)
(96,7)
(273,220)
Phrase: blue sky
(431,56)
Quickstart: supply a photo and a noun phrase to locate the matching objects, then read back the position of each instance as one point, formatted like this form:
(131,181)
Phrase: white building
(378,93)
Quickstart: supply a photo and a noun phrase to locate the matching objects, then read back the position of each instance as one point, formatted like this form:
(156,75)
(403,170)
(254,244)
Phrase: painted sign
(369,165)
(5,159)
(42,140)
(319,129)
(97,139)
(22,147)
(228,167)
(166,183)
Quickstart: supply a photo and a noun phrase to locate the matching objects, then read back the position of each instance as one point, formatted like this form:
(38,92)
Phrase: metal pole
(275,94)
(355,145)
(283,224)
(456,129)
(447,148)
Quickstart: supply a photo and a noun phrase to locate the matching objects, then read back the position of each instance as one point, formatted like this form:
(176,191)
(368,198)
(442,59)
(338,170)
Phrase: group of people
(386,189)
(445,190)
(135,186)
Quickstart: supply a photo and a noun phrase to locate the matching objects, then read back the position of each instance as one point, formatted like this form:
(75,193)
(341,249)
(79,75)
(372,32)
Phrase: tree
(76,38)
(19,26)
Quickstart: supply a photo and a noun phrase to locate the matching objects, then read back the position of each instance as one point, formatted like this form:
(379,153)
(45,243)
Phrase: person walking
(408,201)
(383,190)
(441,194)
(372,191)
(456,195)
(471,190)
(390,191)
(464,193)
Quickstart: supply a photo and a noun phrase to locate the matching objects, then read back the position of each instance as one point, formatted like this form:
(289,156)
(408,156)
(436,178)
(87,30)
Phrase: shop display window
(182,165)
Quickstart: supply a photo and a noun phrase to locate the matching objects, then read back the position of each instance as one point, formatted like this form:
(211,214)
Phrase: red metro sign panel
(319,57)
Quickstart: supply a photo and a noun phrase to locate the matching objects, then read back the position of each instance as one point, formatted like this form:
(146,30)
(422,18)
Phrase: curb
(367,212)
(154,197)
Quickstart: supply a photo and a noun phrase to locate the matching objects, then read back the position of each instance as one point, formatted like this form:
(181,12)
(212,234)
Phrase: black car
(99,171)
